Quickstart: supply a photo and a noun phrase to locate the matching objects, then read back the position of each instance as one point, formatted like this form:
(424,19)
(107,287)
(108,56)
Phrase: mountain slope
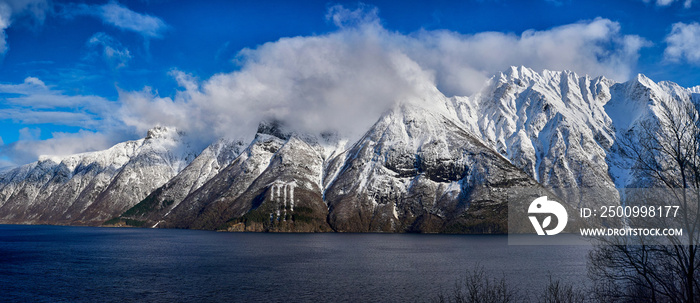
(275,184)
(417,170)
(436,165)
(89,188)
(552,126)
(163,200)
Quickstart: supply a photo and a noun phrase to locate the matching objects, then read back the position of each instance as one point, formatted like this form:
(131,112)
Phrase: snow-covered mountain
(419,170)
(92,187)
(553,126)
(204,167)
(279,172)
(564,129)
(437,165)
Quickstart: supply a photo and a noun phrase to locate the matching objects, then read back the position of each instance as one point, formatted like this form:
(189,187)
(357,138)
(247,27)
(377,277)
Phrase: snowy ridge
(415,170)
(552,125)
(81,187)
(426,165)
(213,159)
(562,128)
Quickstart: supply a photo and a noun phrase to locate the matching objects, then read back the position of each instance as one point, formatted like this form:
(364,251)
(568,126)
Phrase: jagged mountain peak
(644,90)
(88,187)
(45,158)
(163,132)
(522,75)
(419,167)
(552,125)
(641,99)
(519,72)
(644,80)
(675,90)
(414,170)
(274,127)
(409,121)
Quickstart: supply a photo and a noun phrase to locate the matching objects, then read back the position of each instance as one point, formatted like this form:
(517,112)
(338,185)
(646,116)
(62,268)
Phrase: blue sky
(81,76)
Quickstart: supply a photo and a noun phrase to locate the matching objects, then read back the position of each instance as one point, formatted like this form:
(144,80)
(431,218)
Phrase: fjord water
(86,264)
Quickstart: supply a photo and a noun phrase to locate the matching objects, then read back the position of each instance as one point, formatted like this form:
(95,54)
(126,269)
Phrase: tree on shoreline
(478,287)
(666,156)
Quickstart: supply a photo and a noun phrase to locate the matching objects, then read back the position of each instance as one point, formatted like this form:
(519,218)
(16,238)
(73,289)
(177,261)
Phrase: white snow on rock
(560,128)
(90,186)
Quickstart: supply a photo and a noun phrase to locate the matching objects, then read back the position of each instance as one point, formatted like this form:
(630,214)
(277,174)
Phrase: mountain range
(446,164)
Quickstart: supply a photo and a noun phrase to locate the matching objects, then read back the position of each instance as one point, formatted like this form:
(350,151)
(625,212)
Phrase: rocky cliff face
(273,185)
(553,126)
(414,170)
(417,170)
(442,165)
(563,129)
(159,203)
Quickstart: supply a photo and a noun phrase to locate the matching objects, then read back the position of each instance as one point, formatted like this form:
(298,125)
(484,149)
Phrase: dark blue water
(84,264)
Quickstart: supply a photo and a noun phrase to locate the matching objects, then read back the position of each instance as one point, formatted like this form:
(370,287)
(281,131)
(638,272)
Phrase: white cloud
(10,10)
(33,102)
(34,81)
(35,9)
(2,142)
(34,93)
(30,84)
(590,47)
(345,79)
(29,116)
(29,134)
(341,81)
(29,149)
(143,110)
(6,165)
(363,15)
(117,15)
(5,14)
(683,43)
(113,52)
(121,17)
(686,3)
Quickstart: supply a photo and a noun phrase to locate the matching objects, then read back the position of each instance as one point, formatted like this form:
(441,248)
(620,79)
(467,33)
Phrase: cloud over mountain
(337,81)
(343,80)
